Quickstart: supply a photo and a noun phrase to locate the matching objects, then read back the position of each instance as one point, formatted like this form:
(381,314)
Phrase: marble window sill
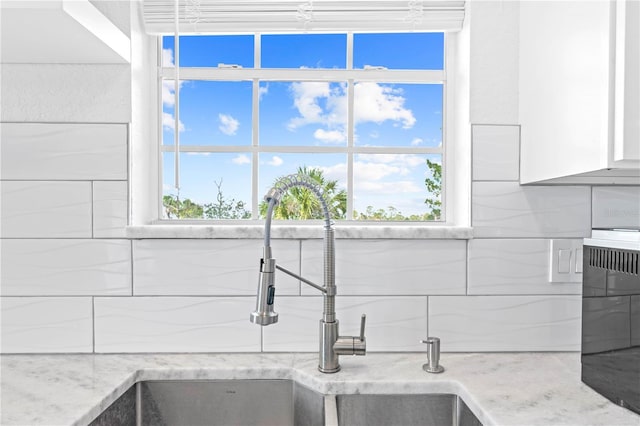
(297,231)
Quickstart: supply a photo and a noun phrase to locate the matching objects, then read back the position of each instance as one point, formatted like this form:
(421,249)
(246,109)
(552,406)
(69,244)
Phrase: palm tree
(302,204)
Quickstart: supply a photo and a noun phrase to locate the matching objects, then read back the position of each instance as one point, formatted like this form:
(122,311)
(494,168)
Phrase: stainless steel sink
(276,403)
(404,409)
(216,402)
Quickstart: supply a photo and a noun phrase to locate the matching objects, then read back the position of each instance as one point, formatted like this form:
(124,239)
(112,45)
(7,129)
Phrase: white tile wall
(40,151)
(46,324)
(513,266)
(175,324)
(61,93)
(496,153)
(616,207)
(506,209)
(506,323)
(209,267)
(110,201)
(390,267)
(74,267)
(46,209)
(196,295)
(393,324)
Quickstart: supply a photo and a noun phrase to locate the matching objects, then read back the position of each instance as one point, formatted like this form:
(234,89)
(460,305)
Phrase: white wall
(80,286)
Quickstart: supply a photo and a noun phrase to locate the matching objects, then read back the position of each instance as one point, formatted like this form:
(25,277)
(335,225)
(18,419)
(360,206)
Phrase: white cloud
(228,124)
(377,103)
(169,122)
(405,160)
(335,172)
(241,159)
(168,93)
(169,90)
(330,136)
(167,58)
(326,103)
(366,172)
(306,99)
(384,166)
(263,90)
(417,141)
(395,187)
(275,161)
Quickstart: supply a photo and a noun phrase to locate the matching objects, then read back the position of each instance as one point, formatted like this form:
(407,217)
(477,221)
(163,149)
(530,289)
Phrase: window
(362,113)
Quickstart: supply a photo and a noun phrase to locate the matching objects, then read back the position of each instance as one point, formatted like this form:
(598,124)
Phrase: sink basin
(275,403)
(216,402)
(404,409)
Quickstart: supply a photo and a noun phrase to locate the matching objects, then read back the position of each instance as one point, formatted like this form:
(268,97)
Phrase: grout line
(70,180)
(93,324)
(428,299)
(288,296)
(494,125)
(93,212)
(591,207)
(299,266)
(132,266)
(466,274)
(87,123)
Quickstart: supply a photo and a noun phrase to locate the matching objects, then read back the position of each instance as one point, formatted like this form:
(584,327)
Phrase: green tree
(225,209)
(434,186)
(389,214)
(175,208)
(301,203)
(433,202)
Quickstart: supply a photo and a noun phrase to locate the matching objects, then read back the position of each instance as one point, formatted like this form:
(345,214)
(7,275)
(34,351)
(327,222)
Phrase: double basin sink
(275,403)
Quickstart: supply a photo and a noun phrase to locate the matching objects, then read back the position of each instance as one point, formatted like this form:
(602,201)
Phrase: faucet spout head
(264,314)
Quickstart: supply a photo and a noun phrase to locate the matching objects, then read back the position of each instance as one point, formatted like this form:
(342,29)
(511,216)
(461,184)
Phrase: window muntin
(300,115)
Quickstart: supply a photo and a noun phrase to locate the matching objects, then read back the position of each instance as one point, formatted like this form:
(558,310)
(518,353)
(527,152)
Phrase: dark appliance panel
(611,324)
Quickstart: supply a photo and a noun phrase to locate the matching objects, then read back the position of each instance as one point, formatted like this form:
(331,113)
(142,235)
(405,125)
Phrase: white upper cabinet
(627,82)
(579,92)
(60,32)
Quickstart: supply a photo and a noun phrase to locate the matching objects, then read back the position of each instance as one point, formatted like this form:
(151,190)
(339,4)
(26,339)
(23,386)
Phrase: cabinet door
(627,82)
(564,88)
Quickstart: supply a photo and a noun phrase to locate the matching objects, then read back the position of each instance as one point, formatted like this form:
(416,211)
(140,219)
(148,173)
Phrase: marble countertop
(501,388)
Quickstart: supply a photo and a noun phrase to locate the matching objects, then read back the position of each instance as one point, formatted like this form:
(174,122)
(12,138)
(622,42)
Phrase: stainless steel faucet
(331,343)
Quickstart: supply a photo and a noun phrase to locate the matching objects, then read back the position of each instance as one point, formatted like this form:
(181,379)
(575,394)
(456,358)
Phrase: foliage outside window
(361,114)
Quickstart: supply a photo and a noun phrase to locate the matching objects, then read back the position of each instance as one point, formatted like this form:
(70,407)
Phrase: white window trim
(144,173)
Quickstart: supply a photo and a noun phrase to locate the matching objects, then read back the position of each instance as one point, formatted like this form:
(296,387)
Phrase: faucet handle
(363,320)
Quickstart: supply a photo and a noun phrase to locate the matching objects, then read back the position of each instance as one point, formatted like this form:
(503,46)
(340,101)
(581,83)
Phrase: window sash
(297,74)
(349,75)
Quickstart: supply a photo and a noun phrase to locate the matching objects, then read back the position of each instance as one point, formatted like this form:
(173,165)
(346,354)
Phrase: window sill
(256,231)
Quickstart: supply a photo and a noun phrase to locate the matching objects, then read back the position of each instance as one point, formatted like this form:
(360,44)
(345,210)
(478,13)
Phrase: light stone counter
(501,389)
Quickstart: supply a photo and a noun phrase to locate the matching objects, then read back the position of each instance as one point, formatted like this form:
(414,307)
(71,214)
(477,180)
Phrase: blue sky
(307,114)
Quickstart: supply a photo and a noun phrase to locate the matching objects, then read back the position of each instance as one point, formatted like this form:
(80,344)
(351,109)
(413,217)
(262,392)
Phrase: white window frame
(144,169)
(350,75)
